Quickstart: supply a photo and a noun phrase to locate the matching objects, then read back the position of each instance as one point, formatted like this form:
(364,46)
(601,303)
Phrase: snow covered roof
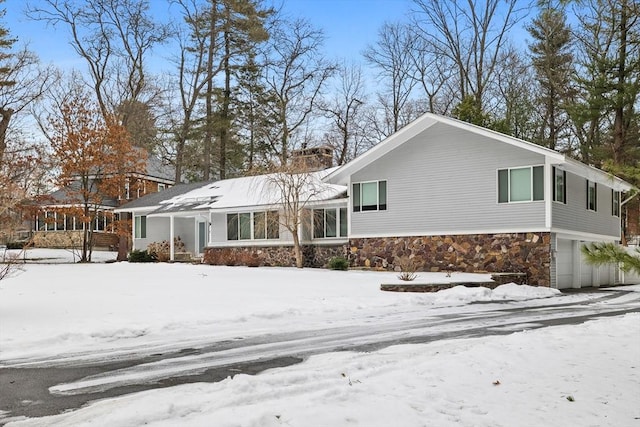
(249,191)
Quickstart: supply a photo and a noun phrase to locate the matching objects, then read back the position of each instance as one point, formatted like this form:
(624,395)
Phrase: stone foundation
(272,256)
(72,239)
(493,253)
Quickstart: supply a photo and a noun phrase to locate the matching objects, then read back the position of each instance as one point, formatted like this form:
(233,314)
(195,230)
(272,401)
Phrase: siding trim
(451,233)
(573,235)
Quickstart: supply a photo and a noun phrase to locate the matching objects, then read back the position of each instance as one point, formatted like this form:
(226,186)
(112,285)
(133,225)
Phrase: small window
(559,185)
(232,226)
(127,190)
(161,187)
(244,223)
(141,227)
(260,225)
(615,203)
(521,184)
(370,196)
(69,222)
(592,196)
(273,225)
(343,222)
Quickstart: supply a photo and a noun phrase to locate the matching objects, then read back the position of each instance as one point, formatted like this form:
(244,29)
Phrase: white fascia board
(594,174)
(341,176)
(578,235)
(142,209)
(328,203)
(182,214)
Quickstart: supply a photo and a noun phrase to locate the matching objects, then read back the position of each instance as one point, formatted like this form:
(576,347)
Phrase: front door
(202,236)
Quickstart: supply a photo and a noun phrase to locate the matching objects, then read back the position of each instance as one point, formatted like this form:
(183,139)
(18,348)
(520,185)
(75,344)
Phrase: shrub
(249,259)
(408,267)
(16,245)
(338,263)
(141,256)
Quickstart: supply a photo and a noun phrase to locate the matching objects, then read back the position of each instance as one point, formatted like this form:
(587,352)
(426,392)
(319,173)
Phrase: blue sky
(349,25)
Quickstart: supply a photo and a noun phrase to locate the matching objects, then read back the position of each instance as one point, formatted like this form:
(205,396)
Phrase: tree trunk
(297,250)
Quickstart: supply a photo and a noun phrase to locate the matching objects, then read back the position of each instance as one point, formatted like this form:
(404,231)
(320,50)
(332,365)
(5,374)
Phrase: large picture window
(328,223)
(369,196)
(559,185)
(592,196)
(253,226)
(521,184)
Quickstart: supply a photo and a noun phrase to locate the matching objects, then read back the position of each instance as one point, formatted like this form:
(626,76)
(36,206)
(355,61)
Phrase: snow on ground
(52,309)
(585,375)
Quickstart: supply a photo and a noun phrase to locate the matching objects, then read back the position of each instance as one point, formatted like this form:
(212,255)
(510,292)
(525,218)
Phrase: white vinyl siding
(433,188)
(574,215)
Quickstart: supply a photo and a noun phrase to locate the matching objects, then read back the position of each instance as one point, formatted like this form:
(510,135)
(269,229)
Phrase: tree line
(247,84)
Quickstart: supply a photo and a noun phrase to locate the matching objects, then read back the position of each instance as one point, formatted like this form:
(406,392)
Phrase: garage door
(564,264)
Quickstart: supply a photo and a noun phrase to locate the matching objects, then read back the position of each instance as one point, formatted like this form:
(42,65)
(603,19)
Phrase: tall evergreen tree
(553,64)
(607,120)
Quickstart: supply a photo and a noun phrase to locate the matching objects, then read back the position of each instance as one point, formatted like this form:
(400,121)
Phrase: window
(256,225)
(161,187)
(592,196)
(50,220)
(127,190)
(559,185)
(615,203)
(370,196)
(329,223)
(141,227)
(521,184)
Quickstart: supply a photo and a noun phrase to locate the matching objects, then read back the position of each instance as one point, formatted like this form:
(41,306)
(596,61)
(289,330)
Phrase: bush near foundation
(141,256)
(338,263)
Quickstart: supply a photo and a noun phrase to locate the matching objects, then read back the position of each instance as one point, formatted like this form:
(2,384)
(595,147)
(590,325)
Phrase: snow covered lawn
(586,375)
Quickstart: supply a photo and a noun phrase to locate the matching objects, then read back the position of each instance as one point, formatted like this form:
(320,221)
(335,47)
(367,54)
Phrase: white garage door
(570,261)
(564,264)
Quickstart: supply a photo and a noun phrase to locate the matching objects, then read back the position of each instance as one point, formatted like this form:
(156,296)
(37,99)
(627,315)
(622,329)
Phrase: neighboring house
(54,227)
(447,194)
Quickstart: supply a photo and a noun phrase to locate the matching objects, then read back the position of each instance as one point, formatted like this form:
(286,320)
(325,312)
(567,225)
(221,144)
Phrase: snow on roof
(258,190)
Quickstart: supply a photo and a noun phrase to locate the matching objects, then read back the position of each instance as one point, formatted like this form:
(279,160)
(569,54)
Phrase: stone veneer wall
(494,253)
(281,256)
(72,239)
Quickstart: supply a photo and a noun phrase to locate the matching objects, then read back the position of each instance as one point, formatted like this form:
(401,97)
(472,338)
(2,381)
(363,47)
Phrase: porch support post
(133,231)
(172,249)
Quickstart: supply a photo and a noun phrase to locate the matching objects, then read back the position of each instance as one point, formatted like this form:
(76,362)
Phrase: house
(55,226)
(447,194)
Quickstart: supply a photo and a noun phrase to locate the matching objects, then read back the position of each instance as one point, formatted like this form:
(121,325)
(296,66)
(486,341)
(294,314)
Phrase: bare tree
(294,186)
(471,35)
(114,37)
(296,73)
(391,55)
(343,109)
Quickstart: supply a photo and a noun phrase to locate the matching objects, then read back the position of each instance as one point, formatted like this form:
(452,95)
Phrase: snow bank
(566,375)
(48,310)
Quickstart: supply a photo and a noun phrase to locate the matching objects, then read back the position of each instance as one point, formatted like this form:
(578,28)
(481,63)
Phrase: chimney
(314,158)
